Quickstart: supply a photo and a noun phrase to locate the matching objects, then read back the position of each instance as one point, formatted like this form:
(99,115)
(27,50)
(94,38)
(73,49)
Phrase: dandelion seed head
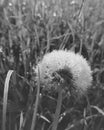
(68,60)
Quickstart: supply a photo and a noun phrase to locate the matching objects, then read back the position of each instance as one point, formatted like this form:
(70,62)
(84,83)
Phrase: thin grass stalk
(32,7)
(36,103)
(21,120)
(89,108)
(10,120)
(37,35)
(58,109)
(29,103)
(72,31)
(48,39)
(67,36)
(64,41)
(81,17)
(5,97)
(35,3)
(81,41)
(25,118)
(19,15)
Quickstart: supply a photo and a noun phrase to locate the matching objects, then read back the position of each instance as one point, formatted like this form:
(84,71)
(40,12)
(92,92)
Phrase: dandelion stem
(58,109)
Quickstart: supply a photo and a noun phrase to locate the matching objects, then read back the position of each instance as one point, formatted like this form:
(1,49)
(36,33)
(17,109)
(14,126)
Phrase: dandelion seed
(65,62)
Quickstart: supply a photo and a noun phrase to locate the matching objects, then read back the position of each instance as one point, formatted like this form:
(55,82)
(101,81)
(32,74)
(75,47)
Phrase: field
(29,29)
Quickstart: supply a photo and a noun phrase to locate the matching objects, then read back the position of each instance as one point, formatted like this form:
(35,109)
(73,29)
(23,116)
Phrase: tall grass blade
(5,97)
(98,109)
(21,120)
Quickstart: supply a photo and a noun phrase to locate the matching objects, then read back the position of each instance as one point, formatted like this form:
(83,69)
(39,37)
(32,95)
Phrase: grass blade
(36,103)
(21,120)
(5,97)
(58,109)
(98,109)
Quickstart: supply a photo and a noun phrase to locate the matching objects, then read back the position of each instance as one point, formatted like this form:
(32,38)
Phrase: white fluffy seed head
(58,60)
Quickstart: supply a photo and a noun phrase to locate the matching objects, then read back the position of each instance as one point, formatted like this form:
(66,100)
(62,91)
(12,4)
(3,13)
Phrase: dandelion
(68,61)
(68,70)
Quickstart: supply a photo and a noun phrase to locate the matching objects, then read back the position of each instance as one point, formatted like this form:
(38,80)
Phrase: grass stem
(58,109)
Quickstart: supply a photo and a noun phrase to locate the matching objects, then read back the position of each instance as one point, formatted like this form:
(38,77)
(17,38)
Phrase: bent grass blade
(5,97)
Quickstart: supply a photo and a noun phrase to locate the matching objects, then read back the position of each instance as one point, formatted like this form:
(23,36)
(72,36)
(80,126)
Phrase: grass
(36,102)
(28,30)
(5,97)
